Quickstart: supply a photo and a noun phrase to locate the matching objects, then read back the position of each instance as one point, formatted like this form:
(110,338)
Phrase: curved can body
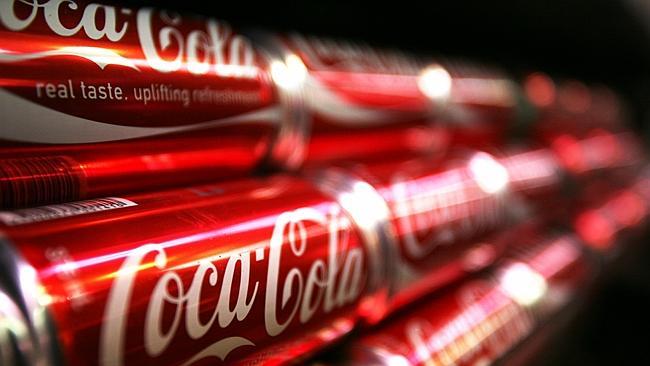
(570,106)
(249,272)
(438,211)
(573,171)
(357,101)
(481,320)
(365,102)
(95,96)
(608,223)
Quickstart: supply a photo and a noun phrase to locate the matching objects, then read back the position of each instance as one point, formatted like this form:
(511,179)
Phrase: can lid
(27,335)
(371,216)
(289,76)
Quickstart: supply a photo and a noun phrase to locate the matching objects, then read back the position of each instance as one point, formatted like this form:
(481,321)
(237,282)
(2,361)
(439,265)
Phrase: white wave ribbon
(102,57)
(323,101)
(26,121)
(220,349)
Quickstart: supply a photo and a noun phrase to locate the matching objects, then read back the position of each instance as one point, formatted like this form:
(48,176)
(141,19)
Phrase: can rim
(289,148)
(27,334)
(371,216)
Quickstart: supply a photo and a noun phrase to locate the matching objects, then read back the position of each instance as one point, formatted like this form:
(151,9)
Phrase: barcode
(51,212)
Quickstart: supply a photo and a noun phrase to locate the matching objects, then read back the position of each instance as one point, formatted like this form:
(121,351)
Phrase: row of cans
(507,315)
(271,270)
(99,99)
(488,318)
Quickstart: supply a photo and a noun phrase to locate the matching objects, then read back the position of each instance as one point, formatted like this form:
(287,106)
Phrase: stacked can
(255,271)
(364,103)
(608,223)
(486,319)
(482,320)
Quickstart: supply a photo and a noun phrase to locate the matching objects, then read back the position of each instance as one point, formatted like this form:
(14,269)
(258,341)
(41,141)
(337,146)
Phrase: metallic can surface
(165,98)
(484,105)
(535,173)
(364,102)
(573,171)
(598,163)
(598,151)
(570,106)
(609,222)
(359,101)
(438,211)
(481,320)
(249,272)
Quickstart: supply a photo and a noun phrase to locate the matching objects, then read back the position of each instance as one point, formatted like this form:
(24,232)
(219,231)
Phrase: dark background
(605,41)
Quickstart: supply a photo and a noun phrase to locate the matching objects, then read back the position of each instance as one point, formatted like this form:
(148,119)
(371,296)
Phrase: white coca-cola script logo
(201,51)
(440,210)
(326,283)
(486,326)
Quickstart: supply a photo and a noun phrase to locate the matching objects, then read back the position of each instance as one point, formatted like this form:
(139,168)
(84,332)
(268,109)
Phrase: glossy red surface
(117,99)
(479,321)
(598,163)
(535,173)
(573,171)
(253,271)
(365,102)
(608,222)
(438,211)
(483,107)
(572,107)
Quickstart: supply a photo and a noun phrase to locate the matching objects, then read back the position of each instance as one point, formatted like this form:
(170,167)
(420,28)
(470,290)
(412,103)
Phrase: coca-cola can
(572,171)
(611,221)
(600,157)
(485,106)
(535,173)
(570,106)
(258,271)
(439,211)
(365,102)
(100,99)
(481,320)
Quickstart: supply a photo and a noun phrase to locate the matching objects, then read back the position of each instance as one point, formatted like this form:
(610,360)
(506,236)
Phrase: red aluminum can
(364,102)
(100,99)
(479,321)
(484,107)
(600,157)
(570,106)
(245,272)
(438,210)
(573,171)
(535,173)
(609,222)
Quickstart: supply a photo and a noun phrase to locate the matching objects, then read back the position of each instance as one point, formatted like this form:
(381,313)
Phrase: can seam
(371,216)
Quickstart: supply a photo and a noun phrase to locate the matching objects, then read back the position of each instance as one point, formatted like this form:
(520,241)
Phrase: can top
(289,77)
